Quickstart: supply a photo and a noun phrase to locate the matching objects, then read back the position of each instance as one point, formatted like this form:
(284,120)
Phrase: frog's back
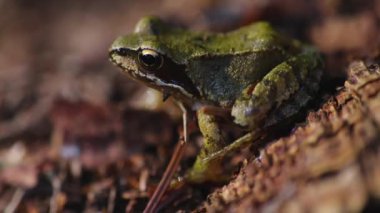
(255,37)
(236,60)
(182,45)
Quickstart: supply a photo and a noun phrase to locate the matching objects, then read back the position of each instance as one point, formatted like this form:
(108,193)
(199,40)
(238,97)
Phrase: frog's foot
(206,171)
(201,172)
(209,167)
(238,144)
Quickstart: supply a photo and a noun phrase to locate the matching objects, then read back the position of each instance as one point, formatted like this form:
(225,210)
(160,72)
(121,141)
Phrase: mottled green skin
(220,65)
(254,71)
(183,45)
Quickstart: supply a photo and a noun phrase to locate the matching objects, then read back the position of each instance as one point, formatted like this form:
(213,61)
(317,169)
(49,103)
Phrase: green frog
(254,75)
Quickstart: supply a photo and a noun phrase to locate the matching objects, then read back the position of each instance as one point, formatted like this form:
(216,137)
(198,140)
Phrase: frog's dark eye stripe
(150,59)
(122,51)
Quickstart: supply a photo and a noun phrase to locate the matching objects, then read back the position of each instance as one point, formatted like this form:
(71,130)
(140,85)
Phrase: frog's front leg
(213,141)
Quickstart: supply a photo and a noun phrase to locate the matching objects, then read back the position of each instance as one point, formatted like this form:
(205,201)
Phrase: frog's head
(149,55)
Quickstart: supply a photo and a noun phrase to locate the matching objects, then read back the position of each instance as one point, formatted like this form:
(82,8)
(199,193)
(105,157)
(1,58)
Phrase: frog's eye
(150,59)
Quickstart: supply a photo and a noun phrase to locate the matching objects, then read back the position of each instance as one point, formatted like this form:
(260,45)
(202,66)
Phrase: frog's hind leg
(288,110)
(279,96)
(288,85)
(277,87)
(296,103)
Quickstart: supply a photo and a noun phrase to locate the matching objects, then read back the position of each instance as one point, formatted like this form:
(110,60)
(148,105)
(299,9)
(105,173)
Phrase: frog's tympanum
(257,75)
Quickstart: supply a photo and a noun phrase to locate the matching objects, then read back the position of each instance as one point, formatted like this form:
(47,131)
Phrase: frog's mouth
(170,78)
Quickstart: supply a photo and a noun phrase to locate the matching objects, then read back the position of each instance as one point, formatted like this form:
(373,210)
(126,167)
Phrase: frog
(254,75)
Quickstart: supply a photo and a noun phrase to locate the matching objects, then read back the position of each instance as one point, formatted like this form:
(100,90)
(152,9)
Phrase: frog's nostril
(121,51)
